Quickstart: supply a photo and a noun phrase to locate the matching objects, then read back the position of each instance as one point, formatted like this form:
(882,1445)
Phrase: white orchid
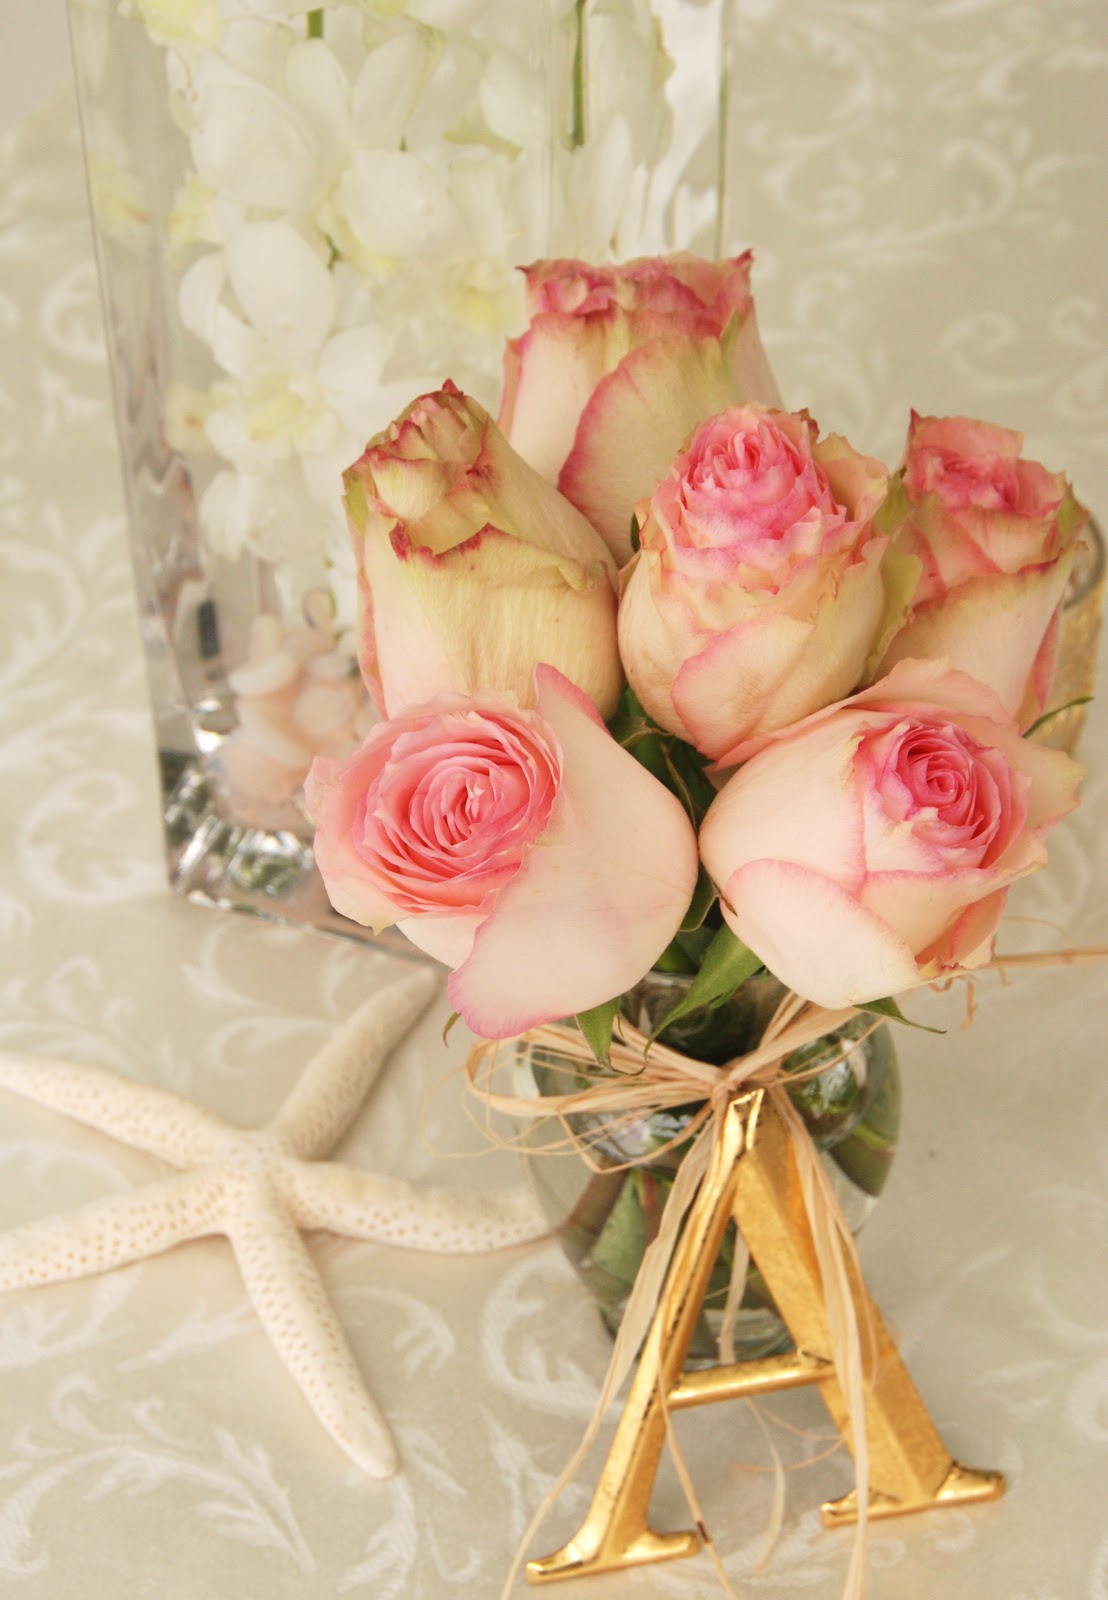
(294,406)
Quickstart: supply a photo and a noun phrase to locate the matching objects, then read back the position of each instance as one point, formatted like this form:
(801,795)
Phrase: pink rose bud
(471,568)
(995,537)
(759,593)
(618,366)
(870,848)
(525,849)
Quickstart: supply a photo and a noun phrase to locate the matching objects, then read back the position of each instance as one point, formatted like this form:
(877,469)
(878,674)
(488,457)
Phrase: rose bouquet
(668,678)
(703,736)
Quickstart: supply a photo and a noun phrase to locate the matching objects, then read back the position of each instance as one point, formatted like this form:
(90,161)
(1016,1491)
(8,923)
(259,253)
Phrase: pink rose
(618,366)
(472,569)
(869,848)
(759,592)
(525,849)
(995,537)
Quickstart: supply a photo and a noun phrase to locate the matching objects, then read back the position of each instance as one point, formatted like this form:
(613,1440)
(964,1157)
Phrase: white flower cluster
(363,180)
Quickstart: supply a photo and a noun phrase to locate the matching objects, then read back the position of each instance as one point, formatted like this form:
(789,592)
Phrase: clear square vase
(304,217)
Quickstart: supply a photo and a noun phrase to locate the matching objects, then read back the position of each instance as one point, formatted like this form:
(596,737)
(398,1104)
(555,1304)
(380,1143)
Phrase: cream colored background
(34,55)
(925,184)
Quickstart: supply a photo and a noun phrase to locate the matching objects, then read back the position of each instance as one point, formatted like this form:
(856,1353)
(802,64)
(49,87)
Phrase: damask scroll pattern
(923,184)
(917,182)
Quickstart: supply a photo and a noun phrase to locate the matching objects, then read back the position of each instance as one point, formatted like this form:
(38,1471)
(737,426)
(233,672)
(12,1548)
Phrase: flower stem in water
(577,113)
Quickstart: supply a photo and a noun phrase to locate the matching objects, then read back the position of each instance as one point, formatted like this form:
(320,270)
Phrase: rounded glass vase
(605,1219)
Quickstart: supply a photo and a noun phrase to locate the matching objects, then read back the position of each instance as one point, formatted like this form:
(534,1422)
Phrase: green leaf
(596,1025)
(617,1252)
(632,728)
(636,542)
(900,574)
(675,958)
(695,943)
(667,758)
(896,506)
(727,963)
(701,903)
(687,778)
(1056,711)
(890,1009)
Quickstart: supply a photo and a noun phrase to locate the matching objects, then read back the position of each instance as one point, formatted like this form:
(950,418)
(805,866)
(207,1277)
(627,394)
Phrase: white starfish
(261,1188)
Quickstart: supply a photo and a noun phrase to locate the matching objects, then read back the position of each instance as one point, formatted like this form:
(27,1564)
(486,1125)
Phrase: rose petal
(969,943)
(753,669)
(773,670)
(445,939)
(593,905)
(549,374)
(923,906)
(990,627)
(533,607)
(910,682)
(639,416)
(815,937)
(332,805)
(765,809)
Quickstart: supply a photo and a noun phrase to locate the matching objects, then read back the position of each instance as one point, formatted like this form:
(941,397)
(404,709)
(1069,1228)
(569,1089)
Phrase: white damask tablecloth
(925,185)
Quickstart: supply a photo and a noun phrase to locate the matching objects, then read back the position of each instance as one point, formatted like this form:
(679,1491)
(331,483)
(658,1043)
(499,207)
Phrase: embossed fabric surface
(925,188)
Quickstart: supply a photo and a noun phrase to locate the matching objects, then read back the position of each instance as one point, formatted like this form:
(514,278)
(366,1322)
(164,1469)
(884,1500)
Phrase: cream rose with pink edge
(762,590)
(995,535)
(524,849)
(471,568)
(869,848)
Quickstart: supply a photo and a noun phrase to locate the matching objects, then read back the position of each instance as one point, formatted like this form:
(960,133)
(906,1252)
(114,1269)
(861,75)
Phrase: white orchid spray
(363,182)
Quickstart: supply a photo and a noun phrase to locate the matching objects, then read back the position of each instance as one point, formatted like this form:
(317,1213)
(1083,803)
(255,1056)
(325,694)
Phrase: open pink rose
(869,848)
(759,593)
(472,568)
(618,366)
(995,537)
(525,849)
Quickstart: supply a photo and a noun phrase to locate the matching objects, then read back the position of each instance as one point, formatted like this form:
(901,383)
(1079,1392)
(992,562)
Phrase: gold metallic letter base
(753,1176)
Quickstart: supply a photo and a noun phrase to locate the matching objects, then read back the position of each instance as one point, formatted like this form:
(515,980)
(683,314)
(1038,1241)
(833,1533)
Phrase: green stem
(589,1217)
(315,23)
(674,959)
(577,115)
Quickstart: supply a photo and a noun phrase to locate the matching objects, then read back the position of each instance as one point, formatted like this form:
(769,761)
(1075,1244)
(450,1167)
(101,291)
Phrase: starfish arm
(292,1306)
(137,1114)
(112,1232)
(335,1083)
(446,1221)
